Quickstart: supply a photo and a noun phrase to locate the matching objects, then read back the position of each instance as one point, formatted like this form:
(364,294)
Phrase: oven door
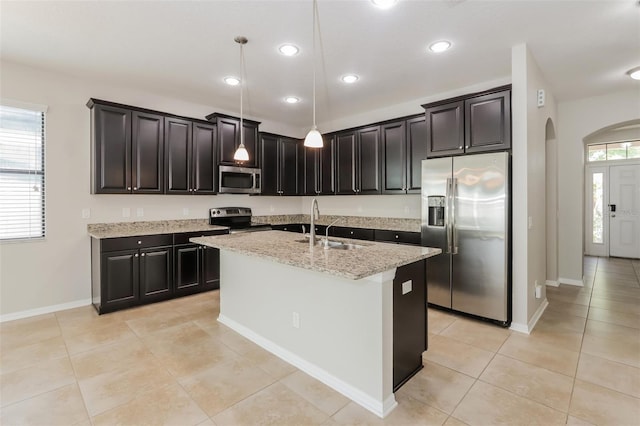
(239,180)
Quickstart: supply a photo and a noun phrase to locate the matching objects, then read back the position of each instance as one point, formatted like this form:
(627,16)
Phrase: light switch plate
(86,213)
(407,286)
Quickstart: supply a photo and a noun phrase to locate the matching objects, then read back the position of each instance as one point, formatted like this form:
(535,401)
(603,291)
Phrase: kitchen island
(329,312)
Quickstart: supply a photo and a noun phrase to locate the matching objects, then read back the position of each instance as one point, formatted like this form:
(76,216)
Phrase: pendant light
(241,153)
(314,138)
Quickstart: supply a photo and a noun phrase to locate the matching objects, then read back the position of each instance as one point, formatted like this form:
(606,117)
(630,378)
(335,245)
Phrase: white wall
(528,171)
(577,120)
(56,271)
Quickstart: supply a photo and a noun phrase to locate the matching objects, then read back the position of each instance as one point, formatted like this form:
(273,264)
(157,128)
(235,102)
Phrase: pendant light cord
(315,5)
(241,90)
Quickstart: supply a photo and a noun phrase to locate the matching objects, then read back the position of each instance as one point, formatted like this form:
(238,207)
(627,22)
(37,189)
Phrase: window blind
(22,178)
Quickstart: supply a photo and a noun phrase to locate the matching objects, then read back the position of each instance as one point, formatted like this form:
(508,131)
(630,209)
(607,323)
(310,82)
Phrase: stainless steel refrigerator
(466,213)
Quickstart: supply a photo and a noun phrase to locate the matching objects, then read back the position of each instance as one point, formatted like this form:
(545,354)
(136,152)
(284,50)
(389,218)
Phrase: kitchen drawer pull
(139,242)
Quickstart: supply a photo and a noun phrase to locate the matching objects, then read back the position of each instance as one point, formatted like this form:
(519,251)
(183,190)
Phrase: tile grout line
(575,375)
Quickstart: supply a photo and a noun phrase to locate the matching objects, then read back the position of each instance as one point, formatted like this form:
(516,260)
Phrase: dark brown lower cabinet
(197,269)
(133,271)
(132,276)
(409,321)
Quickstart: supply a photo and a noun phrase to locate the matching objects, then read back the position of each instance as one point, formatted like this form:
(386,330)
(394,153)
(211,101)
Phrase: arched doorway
(551,201)
(612,191)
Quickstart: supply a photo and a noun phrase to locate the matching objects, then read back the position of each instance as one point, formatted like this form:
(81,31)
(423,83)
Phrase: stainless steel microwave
(239,180)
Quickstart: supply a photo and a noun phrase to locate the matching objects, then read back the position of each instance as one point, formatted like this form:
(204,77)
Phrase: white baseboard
(569,281)
(528,328)
(44,310)
(379,408)
(552,283)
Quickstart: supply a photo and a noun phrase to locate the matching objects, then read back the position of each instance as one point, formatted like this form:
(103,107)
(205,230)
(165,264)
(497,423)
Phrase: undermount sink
(336,245)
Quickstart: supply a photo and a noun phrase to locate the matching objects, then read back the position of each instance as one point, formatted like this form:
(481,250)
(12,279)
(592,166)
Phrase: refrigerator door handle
(447,216)
(454,231)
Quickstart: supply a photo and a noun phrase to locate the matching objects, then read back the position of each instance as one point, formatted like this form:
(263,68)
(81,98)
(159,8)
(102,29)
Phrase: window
(613,151)
(21,173)
(598,207)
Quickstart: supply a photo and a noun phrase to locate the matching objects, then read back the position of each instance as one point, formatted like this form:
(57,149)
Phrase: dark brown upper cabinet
(476,123)
(318,168)
(358,161)
(404,146)
(228,129)
(416,152)
(445,129)
(488,122)
(127,150)
(280,159)
(190,157)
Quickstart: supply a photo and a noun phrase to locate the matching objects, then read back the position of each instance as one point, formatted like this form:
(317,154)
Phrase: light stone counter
(134,229)
(385,223)
(290,249)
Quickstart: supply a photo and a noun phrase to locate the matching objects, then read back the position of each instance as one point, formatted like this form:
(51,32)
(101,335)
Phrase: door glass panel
(598,219)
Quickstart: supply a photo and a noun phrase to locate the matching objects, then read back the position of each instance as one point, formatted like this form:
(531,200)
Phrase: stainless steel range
(238,219)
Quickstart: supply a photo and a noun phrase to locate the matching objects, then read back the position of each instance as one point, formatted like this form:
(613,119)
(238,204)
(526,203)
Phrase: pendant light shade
(314,138)
(241,153)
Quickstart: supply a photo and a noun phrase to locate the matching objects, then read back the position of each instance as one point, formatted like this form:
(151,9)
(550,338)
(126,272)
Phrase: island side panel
(345,326)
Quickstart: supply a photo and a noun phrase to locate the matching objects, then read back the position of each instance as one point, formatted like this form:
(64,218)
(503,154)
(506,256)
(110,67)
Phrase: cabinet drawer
(356,233)
(142,241)
(402,237)
(183,237)
(291,227)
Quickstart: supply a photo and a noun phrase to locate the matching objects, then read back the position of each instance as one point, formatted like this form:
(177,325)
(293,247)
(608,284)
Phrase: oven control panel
(229,211)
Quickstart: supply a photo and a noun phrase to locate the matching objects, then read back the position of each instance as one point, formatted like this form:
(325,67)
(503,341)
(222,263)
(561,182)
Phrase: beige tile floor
(173,363)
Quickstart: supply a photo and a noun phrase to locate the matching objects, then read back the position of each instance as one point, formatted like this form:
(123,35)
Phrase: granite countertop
(385,223)
(286,248)
(135,229)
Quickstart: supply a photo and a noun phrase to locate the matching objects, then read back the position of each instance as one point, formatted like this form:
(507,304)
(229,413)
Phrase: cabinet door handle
(142,255)
(460,147)
(135,255)
(195,189)
(467,147)
(128,188)
(135,188)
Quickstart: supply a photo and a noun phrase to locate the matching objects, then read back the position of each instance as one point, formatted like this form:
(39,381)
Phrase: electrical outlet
(295,320)
(126,212)
(140,212)
(86,213)
(185,212)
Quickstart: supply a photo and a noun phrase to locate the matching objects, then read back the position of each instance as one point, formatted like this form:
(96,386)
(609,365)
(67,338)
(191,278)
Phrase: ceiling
(185,48)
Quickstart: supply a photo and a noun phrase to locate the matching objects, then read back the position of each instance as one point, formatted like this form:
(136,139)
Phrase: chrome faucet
(315,214)
(326,233)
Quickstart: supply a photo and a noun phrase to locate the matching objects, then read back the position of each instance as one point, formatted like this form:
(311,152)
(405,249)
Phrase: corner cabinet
(280,159)
(228,135)
(127,150)
(470,124)
(190,157)
(358,161)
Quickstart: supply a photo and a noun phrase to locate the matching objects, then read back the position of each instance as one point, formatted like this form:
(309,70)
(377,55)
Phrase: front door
(624,211)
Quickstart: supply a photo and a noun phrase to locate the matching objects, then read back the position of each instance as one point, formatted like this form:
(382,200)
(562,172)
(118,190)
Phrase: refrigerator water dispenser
(436,210)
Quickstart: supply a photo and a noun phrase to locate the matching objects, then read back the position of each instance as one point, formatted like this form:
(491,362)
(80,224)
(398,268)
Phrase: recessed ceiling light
(232,81)
(440,46)
(291,100)
(634,73)
(350,78)
(384,4)
(288,49)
